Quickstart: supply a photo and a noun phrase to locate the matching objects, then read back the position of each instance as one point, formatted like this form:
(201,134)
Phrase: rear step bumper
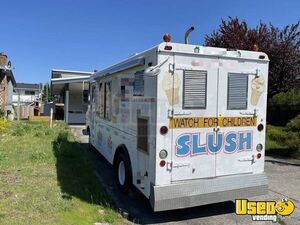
(207,191)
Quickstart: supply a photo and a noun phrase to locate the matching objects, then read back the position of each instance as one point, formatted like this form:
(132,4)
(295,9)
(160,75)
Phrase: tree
(47,96)
(281,45)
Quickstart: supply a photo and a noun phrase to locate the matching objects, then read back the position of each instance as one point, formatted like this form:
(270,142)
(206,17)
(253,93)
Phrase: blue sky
(92,34)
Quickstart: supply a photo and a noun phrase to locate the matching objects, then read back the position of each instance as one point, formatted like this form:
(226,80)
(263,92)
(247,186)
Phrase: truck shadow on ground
(75,172)
(78,169)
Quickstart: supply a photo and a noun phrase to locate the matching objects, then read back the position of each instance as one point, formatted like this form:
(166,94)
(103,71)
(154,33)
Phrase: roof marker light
(255,48)
(167,37)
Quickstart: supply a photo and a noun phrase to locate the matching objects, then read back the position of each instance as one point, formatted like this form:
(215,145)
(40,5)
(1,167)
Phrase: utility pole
(19,109)
(47,86)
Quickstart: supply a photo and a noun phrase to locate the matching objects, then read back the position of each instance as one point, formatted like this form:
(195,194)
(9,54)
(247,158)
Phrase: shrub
(276,134)
(289,98)
(294,124)
(294,144)
(3,124)
(287,137)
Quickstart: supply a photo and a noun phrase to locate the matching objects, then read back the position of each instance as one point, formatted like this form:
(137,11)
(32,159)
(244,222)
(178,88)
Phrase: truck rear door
(194,97)
(236,117)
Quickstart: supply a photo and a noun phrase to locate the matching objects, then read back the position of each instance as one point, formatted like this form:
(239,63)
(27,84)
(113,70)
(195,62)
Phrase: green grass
(47,178)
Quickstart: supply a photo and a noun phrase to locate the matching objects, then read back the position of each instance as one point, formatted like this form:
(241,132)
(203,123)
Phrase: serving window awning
(128,64)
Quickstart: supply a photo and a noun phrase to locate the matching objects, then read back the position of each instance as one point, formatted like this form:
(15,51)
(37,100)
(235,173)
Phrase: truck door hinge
(169,166)
(170,113)
(171,68)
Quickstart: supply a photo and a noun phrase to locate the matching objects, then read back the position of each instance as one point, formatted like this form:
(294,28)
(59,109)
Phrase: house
(26,93)
(7,83)
(71,92)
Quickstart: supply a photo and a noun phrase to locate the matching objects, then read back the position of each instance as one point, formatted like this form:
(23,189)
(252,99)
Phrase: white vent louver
(237,91)
(194,89)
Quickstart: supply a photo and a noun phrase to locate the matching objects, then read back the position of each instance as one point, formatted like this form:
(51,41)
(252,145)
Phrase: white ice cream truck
(185,124)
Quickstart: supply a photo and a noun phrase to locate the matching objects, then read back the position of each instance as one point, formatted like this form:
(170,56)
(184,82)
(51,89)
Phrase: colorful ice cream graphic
(169,82)
(258,87)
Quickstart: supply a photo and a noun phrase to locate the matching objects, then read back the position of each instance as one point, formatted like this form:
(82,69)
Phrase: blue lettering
(245,140)
(196,148)
(214,148)
(182,148)
(230,145)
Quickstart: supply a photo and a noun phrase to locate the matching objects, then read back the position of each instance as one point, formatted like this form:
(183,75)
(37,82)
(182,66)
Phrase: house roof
(61,78)
(28,86)
(57,73)
(69,80)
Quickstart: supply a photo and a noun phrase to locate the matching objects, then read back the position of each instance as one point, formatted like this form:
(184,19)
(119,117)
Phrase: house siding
(3,90)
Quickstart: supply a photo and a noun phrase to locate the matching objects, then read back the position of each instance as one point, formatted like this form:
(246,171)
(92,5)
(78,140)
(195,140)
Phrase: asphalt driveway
(284,182)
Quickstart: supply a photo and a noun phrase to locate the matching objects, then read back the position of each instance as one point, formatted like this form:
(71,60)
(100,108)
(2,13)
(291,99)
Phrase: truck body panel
(212,103)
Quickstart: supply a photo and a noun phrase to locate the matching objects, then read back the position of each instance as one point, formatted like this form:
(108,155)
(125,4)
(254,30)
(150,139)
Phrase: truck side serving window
(237,92)
(107,101)
(194,89)
(101,101)
(142,134)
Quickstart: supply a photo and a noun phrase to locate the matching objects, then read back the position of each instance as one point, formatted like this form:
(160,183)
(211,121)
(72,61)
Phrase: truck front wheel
(123,173)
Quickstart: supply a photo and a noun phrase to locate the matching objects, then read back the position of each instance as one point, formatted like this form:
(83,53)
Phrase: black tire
(90,146)
(127,179)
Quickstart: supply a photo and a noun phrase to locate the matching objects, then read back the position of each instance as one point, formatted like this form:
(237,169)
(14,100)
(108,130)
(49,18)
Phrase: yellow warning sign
(206,122)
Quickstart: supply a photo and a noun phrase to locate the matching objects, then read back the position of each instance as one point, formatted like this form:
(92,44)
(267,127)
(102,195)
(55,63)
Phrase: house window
(29,92)
(237,95)
(85,96)
(194,89)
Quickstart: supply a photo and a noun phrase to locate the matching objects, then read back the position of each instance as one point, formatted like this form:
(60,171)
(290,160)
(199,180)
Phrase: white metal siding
(194,89)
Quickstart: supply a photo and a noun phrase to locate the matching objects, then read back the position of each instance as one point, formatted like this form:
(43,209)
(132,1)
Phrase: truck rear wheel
(123,173)
(90,146)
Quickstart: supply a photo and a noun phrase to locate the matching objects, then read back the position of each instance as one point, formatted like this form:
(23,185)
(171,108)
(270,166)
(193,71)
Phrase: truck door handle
(245,159)
(180,165)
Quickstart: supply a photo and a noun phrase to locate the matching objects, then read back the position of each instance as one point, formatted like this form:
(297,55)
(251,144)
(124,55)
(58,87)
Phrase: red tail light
(163,130)
(162,163)
(168,47)
(260,127)
(258,155)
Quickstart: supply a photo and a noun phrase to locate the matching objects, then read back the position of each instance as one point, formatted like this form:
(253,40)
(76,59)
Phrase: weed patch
(47,178)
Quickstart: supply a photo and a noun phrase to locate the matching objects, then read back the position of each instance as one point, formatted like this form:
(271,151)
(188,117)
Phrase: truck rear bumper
(207,191)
